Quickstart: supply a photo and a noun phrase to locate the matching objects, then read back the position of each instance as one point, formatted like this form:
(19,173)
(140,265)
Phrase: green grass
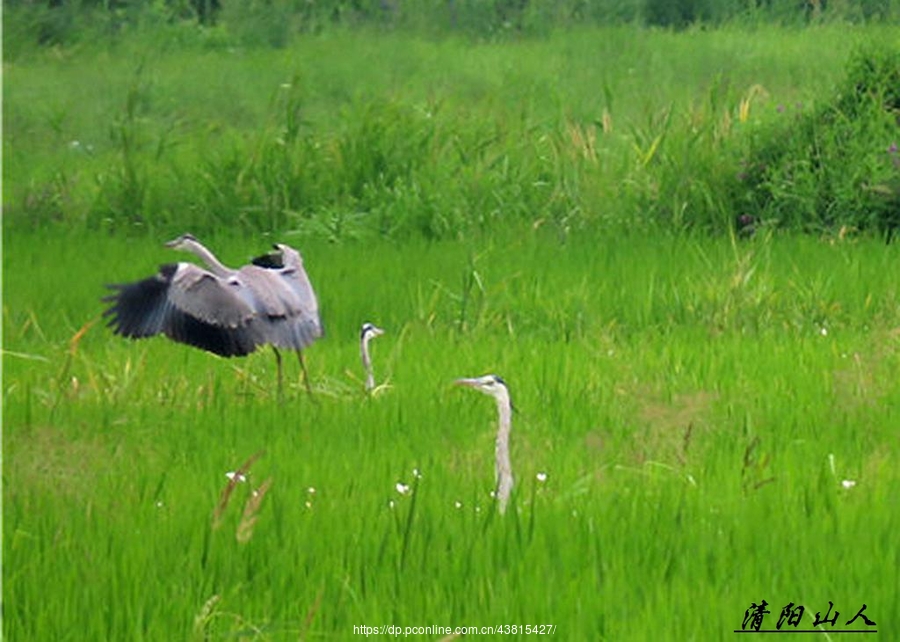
(357,132)
(682,395)
(516,207)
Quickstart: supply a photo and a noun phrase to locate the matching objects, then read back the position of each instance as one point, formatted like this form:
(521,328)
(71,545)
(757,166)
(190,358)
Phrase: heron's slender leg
(278,361)
(305,372)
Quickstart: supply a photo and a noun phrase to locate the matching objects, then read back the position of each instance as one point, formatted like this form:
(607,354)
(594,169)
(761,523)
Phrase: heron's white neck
(207,257)
(503,466)
(367,361)
(504,411)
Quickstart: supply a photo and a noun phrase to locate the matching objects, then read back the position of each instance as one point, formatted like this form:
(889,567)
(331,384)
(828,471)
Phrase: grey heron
(366,334)
(495,387)
(221,310)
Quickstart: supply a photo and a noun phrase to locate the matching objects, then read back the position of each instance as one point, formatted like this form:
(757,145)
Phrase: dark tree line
(51,21)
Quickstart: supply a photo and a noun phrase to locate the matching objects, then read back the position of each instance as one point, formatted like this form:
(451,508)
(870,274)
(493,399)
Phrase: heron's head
(182,242)
(370,331)
(488,384)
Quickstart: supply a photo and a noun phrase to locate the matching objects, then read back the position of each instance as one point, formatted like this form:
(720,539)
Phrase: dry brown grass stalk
(203,617)
(251,512)
(225,496)
(311,615)
(78,336)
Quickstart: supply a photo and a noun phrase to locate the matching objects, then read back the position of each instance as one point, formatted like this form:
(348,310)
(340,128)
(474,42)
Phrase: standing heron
(495,387)
(221,310)
(366,334)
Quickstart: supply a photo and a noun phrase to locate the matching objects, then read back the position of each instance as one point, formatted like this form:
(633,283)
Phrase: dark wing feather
(271,261)
(226,342)
(160,305)
(139,309)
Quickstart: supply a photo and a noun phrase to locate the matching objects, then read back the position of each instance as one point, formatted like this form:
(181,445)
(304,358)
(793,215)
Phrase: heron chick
(495,387)
(366,334)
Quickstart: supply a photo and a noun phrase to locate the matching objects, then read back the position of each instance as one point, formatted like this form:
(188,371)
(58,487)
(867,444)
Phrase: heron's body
(224,311)
(495,387)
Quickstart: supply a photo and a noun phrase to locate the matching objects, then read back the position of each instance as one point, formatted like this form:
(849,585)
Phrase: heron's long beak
(376,331)
(471,383)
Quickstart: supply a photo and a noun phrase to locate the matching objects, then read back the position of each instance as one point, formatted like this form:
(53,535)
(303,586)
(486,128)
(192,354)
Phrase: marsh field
(670,244)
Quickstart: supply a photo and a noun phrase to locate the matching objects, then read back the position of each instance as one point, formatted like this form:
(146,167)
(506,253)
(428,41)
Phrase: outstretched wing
(187,304)
(296,278)
(286,297)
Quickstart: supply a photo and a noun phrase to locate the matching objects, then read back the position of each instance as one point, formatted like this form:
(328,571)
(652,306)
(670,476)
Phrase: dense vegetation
(669,242)
(714,426)
(181,126)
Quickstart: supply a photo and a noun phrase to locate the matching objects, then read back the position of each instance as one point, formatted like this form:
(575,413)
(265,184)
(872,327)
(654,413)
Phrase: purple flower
(893,148)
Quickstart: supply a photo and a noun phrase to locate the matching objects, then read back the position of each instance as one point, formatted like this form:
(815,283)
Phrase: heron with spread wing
(221,310)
